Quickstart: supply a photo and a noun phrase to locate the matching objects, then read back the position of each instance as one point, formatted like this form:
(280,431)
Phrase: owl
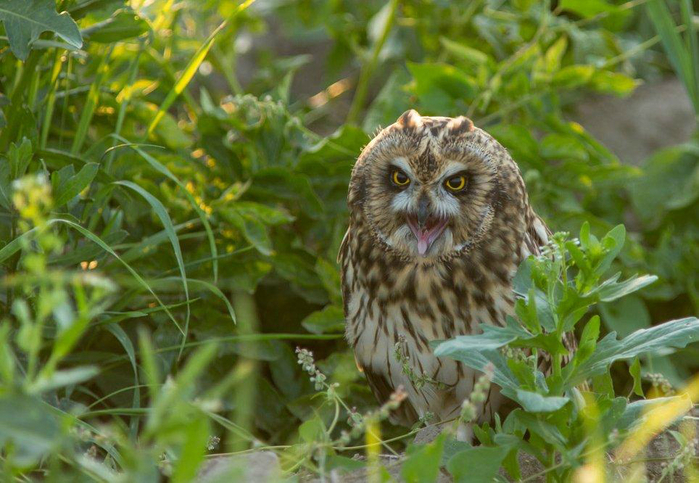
(439,222)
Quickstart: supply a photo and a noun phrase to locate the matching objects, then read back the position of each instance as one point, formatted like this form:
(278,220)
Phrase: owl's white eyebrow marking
(402,163)
(453,167)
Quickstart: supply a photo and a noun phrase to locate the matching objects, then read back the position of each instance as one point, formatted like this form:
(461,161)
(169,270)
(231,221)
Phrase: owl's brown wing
(405,414)
(536,236)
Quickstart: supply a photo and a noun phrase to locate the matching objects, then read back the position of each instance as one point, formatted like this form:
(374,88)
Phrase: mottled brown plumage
(424,260)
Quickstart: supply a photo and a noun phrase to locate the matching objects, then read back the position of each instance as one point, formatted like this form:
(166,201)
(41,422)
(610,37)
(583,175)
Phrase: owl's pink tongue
(422,242)
(426,236)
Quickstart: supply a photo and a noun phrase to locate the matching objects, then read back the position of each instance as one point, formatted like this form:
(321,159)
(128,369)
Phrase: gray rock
(257,467)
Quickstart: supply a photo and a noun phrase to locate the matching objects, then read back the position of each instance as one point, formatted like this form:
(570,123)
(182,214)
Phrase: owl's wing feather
(382,388)
(535,237)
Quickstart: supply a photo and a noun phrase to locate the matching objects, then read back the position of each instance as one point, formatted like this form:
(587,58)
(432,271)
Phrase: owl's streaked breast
(388,300)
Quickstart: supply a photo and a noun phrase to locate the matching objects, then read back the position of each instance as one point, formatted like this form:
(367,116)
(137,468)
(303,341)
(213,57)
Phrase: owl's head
(434,187)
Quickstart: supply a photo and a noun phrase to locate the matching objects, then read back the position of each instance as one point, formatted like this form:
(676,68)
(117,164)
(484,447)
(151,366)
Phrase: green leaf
(573,76)
(587,8)
(491,337)
(330,319)
(464,52)
(25,20)
(422,462)
(635,371)
(20,157)
(64,378)
(479,359)
(124,24)
(537,403)
(252,228)
(32,431)
(476,465)
(588,340)
(670,335)
(613,291)
(72,187)
(612,83)
(312,430)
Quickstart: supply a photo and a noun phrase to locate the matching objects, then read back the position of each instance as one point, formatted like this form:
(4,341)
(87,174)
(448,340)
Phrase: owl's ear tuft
(410,119)
(460,125)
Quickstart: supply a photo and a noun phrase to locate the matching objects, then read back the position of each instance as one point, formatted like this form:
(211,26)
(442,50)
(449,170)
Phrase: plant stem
(368,67)
(244,304)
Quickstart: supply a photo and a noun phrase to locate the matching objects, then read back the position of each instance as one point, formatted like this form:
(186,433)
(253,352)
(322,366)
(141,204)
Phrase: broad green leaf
(254,230)
(536,403)
(502,375)
(670,335)
(476,465)
(422,462)
(124,24)
(492,337)
(311,431)
(615,290)
(63,378)
(25,20)
(73,186)
(31,430)
(328,320)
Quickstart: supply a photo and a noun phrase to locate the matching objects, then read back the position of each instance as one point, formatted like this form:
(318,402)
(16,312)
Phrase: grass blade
(162,213)
(91,104)
(97,240)
(202,215)
(208,286)
(672,42)
(186,76)
(126,343)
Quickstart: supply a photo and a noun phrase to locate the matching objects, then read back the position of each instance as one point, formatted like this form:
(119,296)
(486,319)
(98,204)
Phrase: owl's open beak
(426,231)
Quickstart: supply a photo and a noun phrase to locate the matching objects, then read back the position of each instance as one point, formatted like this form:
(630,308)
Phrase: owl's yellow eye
(399,178)
(456,183)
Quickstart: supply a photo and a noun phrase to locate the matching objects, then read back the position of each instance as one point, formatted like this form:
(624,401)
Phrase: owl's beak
(426,230)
